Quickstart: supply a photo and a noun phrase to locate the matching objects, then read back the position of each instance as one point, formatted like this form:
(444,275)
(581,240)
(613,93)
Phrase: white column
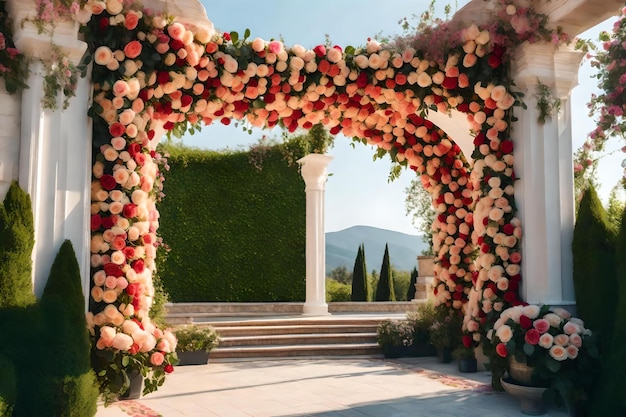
(9,138)
(544,193)
(315,176)
(55,150)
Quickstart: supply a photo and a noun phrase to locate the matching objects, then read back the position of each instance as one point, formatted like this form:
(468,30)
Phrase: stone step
(316,350)
(299,339)
(231,331)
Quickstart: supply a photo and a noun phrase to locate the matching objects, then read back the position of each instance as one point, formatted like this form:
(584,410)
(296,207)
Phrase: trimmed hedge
(16,246)
(235,225)
(8,390)
(360,289)
(384,288)
(595,275)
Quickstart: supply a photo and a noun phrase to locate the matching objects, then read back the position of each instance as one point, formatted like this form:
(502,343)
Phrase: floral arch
(152,75)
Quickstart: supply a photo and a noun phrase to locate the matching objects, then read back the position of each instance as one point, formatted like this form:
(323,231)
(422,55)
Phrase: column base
(315,310)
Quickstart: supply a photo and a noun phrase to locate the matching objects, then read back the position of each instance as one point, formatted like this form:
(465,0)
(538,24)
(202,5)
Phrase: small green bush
(337,292)
(194,338)
(8,390)
(422,320)
(16,247)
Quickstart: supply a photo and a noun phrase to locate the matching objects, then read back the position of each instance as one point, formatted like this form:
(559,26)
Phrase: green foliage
(360,289)
(16,246)
(595,275)
(66,385)
(445,331)
(194,338)
(8,390)
(336,291)
(616,207)
(395,333)
(161,297)
(410,292)
(236,233)
(341,274)
(419,205)
(384,288)
(607,397)
(422,320)
(401,281)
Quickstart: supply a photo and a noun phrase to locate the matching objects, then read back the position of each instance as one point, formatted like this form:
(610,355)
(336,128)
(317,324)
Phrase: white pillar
(55,150)
(544,193)
(315,176)
(9,138)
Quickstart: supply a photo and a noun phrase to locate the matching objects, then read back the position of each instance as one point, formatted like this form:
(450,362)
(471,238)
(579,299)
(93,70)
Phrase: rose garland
(153,74)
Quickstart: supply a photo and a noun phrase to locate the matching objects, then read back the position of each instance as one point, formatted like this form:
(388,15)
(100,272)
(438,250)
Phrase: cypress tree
(595,274)
(410,294)
(360,289)
(17,233)
(608,398)
(384,289)
(59,374)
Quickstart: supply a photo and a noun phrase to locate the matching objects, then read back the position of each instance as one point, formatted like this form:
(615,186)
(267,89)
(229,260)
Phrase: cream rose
(504,333)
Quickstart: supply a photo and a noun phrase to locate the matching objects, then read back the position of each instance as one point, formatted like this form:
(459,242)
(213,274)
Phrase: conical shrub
(360,289)
(384,289)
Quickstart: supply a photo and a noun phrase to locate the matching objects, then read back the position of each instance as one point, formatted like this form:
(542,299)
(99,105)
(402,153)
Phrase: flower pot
(520,372)
(420,349)
(197,357)
(468,365)
(135,389)
(444,355)
(391,351)
(531,398)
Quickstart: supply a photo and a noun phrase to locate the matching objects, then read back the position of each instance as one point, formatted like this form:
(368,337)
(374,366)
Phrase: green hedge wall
(235,225)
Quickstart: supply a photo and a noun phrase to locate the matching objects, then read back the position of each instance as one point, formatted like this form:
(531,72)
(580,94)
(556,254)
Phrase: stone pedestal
(425,277)
(315,176)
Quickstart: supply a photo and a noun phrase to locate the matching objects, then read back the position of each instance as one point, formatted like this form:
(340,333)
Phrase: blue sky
(357,193)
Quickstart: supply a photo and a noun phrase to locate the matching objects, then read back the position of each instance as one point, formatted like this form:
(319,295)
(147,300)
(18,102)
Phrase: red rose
(510,296)
(506,146)
(96,222)
(467,341)
(450,83)
(532,337)
(493,61)
(320,50)
(133,349)
(501,350)
(108,182)
(186,100)
(113,270)
(168,368)
(525,322)
(138,266)
(117,129)
(109,222)
(163,77)
(130,210)
(133,289)
(361,80)
(508,229)
(103,23)
(133,149)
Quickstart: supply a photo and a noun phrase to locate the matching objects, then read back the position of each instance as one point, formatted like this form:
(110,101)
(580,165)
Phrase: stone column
(544,193)
(425,277)
(9,138)
(315,176)
(55,149)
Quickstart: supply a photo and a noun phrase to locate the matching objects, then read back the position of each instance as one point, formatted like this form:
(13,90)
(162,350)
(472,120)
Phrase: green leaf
(234,37)
(125,361)
(246,34)
(553,365)
(528,349)
(350,50)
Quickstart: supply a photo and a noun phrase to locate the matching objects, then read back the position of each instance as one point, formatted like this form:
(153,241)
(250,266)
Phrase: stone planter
(197,357)
(531,398)
(520,373)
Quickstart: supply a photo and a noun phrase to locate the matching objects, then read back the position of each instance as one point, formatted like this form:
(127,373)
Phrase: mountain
(342,246)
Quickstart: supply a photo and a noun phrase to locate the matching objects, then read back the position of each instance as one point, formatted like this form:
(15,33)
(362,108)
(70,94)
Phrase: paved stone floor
(346,387)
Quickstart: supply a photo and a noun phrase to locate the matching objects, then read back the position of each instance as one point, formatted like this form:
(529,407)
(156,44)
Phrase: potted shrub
(395,337)
(194,344)
(466,359)
(445,332)
(421,320)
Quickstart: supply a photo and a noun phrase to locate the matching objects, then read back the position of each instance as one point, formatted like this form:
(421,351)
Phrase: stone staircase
(253,331)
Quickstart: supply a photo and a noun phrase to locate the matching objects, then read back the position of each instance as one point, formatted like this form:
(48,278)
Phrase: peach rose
(576,340)
(504,333)
(122,342)
(120,88)
(109,296)
(546,341)
(103,55)
(97,293)
(558,353)
(561,339)
(114,7)
(132,49)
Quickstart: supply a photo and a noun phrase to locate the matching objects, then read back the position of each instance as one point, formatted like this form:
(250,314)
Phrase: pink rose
(576,340)
(571,328)
(541,325)
(275,47)
(157,359)
(561,339)
(176,31)
(572,351)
